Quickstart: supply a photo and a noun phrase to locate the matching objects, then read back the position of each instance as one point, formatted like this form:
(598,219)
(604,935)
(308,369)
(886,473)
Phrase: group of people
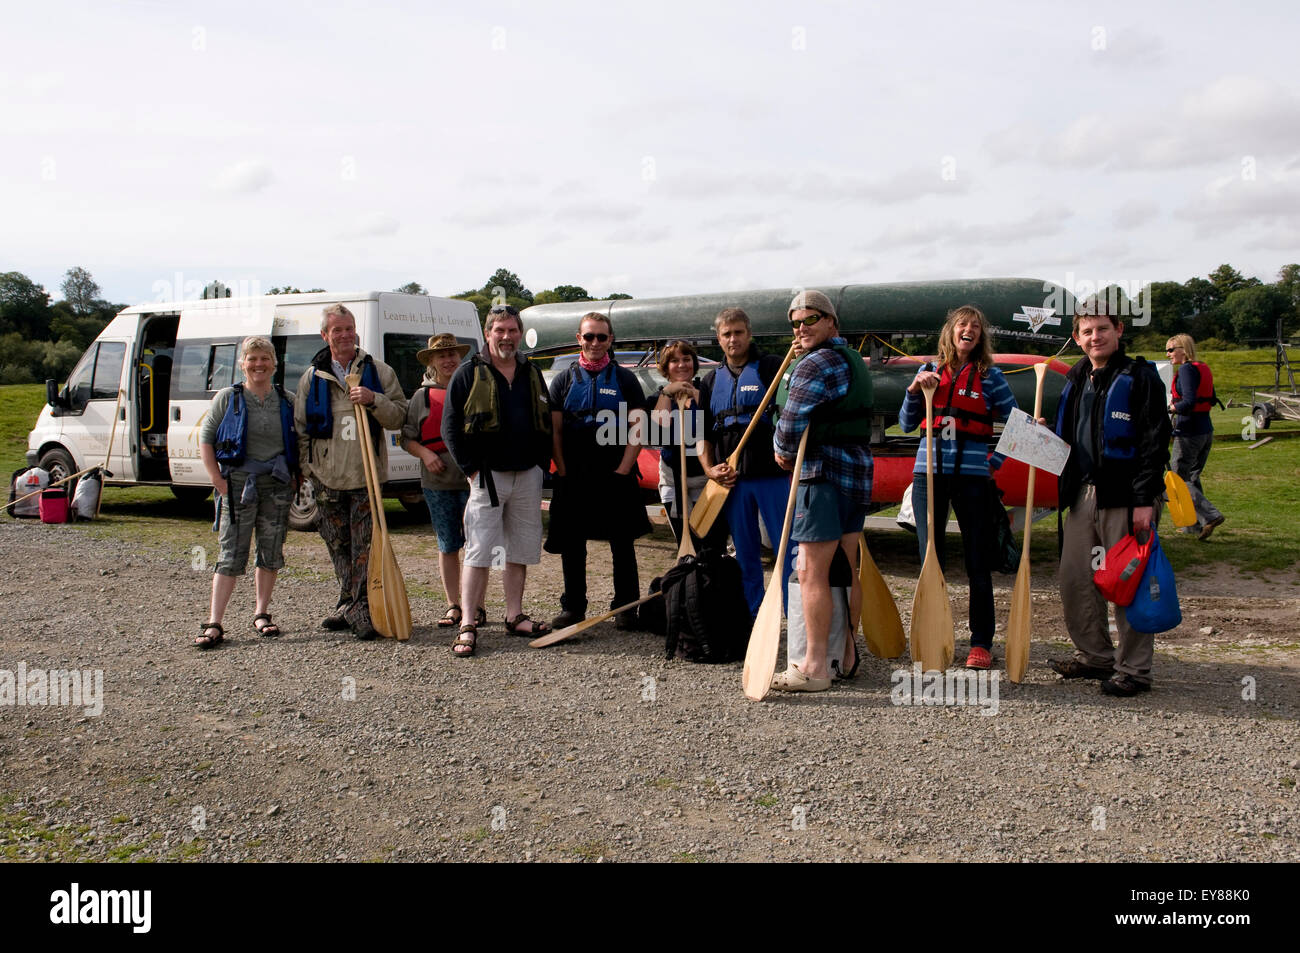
(486,430)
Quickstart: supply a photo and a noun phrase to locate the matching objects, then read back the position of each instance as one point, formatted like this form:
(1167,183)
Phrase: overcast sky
(652,148)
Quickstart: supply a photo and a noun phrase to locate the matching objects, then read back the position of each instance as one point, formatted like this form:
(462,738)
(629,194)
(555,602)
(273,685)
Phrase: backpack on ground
(24,481)
(707,617)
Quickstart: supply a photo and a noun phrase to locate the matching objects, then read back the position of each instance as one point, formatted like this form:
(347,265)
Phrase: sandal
(853,669)
(537,628)
(466,640)
(451,617)
(480,616)
(793,680)
(268,631)
(206,641)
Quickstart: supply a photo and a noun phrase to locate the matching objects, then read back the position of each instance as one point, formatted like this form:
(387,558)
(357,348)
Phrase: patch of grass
(766,800)
(119,819)
(1287,782)
(477,834)
(147,778)
(203,766)
(124,852)
(20,405)
(686,857)
(663,784)
(590,850)
(188,851)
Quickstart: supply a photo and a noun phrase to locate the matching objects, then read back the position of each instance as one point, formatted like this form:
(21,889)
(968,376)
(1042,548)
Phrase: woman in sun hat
(446,491)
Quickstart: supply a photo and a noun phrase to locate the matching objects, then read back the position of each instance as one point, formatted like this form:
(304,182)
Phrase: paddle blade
(1181,507)
(932,631)
(708,507)
(764,643)
(390,609)
(1018,625)
(881,624)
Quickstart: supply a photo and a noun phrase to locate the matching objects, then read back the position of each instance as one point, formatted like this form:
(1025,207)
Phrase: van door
(92,402)
(206,360)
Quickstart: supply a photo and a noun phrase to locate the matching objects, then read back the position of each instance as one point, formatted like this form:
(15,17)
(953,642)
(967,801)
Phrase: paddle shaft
(764,640)
(932,628)
(561,634)
(687,547)
(1020,617)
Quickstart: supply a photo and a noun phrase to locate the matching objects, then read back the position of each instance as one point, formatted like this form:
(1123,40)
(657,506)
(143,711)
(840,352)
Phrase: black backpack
(707,617)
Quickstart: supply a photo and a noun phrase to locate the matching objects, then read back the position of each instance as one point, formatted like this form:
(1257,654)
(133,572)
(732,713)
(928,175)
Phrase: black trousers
(627,585)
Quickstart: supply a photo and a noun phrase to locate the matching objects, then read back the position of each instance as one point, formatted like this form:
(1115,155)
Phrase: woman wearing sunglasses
(596,410)
(971,395)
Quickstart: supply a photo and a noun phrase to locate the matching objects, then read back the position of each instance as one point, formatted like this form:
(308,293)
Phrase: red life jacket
(431,429)
(1204,390)
(969,410)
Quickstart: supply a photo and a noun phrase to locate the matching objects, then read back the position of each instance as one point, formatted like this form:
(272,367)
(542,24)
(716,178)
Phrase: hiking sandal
(536,628)
(206,641)
(466,642)
(451,617)
(480,616)
(268,631)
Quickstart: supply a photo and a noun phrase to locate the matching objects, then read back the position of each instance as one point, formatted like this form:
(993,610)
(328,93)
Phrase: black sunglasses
(589,337)
(806,322)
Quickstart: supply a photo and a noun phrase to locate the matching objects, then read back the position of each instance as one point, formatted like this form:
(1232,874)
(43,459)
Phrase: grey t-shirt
(265,438)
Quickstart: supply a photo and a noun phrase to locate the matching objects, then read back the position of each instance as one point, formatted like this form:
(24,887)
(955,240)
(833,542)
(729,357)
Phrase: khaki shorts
(510,532)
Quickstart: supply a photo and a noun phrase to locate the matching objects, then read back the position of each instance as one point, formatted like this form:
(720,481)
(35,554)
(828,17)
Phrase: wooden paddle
(390,609)
(885,636)
(765,638)
(714,496)
(932,637)
(1181,508)
(1021,616)
(687,547)
(559,635)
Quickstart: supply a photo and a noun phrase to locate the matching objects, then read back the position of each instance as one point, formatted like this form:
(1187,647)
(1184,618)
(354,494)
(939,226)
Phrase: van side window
(221,371)
(108,370)
(80,378)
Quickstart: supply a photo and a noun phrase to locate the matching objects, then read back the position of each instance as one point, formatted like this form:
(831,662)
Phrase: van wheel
(1262,417)
(58,463)
(191,495)
(302,511)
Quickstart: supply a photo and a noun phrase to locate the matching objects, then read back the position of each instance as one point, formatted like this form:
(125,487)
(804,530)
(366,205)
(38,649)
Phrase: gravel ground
(599,749)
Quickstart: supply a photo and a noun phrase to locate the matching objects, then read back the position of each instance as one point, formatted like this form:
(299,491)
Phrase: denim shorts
(822,513)
(447,513)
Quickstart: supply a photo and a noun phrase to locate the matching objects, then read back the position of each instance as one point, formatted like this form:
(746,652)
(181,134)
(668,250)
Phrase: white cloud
(1129,48)
(638,234)
(247,177)
(762,236)
(1230,202)
(373,224)
(489,216)
(1134,213)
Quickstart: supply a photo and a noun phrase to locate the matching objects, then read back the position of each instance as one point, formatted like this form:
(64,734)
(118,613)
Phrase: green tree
(1227,279)
(1253,311)
(80,290)
(617,296)
(562,293)
(509,284)
(1170,306)
(412,288)
(24,307)
(1201,295)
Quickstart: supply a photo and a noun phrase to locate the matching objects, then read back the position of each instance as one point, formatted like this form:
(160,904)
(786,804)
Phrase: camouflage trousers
(345,524)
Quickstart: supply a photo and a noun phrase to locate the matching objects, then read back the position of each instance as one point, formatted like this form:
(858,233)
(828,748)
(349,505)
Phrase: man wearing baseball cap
(831,397)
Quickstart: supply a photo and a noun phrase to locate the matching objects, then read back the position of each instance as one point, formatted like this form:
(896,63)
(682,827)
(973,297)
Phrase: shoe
(793,680)
(534,629)
(1073,668)
(979,657)
(336,621)
(366,634)
(567,618)
(206,641)
(268,631)
(451,617)
(626,621)
(837,666)
(466,642)
(1124,686)
(1209,527)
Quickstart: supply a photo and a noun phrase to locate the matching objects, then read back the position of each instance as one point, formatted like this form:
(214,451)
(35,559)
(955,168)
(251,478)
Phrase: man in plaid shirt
(830,392)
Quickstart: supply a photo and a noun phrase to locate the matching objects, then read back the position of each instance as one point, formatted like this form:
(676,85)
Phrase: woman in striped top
(971,395)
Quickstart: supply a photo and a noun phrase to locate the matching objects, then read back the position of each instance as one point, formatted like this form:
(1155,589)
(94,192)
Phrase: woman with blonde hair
(250,449)
(971,395)
(1191,395)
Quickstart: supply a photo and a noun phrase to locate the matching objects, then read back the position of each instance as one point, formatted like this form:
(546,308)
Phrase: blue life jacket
(589,394)
(231,441)
(733,407)
(320,409)
(1118,431)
